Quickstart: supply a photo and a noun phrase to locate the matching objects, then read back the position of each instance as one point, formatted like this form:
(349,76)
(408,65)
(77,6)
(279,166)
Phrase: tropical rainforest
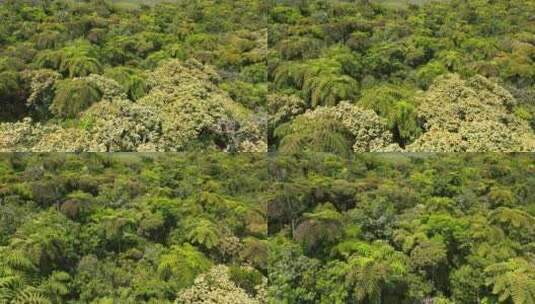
(98,75)
(415,76)
(250,228)
(133,228)
(310,84)
(402,228)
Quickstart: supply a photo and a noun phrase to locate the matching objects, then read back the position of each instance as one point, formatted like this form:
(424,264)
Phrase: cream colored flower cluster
(216,287)
(473,115)
(183,105)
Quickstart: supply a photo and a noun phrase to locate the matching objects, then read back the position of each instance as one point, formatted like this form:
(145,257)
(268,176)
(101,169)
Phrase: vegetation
(451,76)
(201,64)
(214,228)
(144,228)
(317,83)
(402,228)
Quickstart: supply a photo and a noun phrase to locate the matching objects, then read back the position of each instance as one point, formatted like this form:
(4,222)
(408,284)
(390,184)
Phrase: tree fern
(515,218)
(131,80)
(15,275)
(350,247)
(513,279)
(75,60)
(323,134)
(73,96)
(329,89)
(47,39)
(516,223)
(368,281)
(30,295)
(203,232)
(324,212)
(17,259)
(322,80)
(182,264)
(78,66)
(299,47)
(56,285)
(49,59)
(373,267)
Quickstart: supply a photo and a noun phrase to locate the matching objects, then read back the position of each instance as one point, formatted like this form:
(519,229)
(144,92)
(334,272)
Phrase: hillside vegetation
(132,228)
(253,229)
(103,76)
(386,76)
(402,229)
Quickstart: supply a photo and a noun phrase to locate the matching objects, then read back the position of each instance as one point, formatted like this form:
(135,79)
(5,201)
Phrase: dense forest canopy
(257,228)
(455,75)
(320,75)
(316,220)
(396,228)
(171,76)
(132,228)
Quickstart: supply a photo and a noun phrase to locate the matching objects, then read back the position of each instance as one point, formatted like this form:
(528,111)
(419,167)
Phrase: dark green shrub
(245,278)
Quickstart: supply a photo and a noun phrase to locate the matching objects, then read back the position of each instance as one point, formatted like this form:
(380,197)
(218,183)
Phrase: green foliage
(56,55)
(183,109)
(513,279)
(324,134)
(399,228)
(129,228)
(74,96)
(204,233)
(381,54)
(132,81)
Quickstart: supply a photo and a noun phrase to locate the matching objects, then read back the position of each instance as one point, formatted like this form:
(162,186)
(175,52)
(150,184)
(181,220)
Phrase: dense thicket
(154,228)
(61,60)
(395,228)
(193,229)
(452,75)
